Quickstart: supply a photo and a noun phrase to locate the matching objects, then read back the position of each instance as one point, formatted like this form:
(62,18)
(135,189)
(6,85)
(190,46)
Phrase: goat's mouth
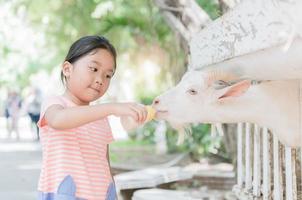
(161,114)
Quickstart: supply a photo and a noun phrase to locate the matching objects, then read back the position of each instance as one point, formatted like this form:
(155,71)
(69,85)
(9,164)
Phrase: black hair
(84,46)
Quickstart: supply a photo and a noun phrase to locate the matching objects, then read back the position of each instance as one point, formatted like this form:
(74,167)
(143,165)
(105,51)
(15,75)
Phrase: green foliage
(128,149)
(145,97)
(65,21)
(145,133)
(199,142)
(211,7)
(129,25)
(129,143)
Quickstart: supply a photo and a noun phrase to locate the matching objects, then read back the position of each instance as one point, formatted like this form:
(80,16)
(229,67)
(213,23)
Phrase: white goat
(211,97)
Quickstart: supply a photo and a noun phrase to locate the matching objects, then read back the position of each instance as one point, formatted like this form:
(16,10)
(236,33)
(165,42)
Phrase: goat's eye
(192,91)
(219,84)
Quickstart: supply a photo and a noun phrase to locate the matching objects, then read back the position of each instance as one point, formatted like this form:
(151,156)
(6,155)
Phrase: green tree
(130,25)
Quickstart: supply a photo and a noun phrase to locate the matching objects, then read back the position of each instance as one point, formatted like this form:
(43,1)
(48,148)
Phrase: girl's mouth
(95,89)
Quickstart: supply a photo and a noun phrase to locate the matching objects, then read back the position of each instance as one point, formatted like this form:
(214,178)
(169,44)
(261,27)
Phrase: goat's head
(197,96)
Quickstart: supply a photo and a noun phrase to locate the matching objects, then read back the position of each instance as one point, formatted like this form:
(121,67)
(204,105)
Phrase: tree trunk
(230,141)
(186,17)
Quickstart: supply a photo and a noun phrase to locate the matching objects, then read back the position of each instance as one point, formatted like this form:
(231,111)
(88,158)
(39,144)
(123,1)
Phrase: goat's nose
(156,101)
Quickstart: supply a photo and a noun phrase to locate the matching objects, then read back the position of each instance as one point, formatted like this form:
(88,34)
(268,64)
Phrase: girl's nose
(99,81)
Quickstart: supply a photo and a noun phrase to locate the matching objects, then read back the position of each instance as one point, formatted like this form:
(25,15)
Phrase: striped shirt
(79,153)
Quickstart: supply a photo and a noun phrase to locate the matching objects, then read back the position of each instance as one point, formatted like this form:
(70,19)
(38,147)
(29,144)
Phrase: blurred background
(152,57)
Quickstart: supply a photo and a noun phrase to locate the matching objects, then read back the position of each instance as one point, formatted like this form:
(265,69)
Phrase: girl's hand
(137,111)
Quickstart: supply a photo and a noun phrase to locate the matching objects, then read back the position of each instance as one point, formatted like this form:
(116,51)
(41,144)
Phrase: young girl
(74,134)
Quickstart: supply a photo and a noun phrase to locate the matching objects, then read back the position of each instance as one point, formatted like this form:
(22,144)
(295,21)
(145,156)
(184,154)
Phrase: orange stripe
(91,155)
(69,155)
(90,141)
(93,171)
(58,153)
(81,183)
(82,148)
(87,160)
(97,171)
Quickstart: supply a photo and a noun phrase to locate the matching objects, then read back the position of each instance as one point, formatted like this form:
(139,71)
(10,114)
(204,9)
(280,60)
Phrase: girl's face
(89,77)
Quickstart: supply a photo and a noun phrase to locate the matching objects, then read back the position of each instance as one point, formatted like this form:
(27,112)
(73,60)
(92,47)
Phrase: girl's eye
(94,69)
(192,92)
(108,76)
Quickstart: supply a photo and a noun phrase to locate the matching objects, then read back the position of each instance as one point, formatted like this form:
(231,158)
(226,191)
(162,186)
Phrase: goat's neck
(266,104)
(241,109)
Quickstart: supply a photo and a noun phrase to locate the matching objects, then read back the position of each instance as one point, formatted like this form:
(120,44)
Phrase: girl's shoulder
(51,100)
(58,99)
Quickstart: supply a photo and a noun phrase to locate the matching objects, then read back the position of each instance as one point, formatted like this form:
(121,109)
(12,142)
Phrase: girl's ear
(235,90)
(67,68)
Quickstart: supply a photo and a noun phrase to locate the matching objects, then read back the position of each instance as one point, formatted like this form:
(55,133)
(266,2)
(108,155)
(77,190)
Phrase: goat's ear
(235,90)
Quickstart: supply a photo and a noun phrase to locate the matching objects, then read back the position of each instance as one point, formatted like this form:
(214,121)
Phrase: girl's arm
(128,123)
(59,117)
